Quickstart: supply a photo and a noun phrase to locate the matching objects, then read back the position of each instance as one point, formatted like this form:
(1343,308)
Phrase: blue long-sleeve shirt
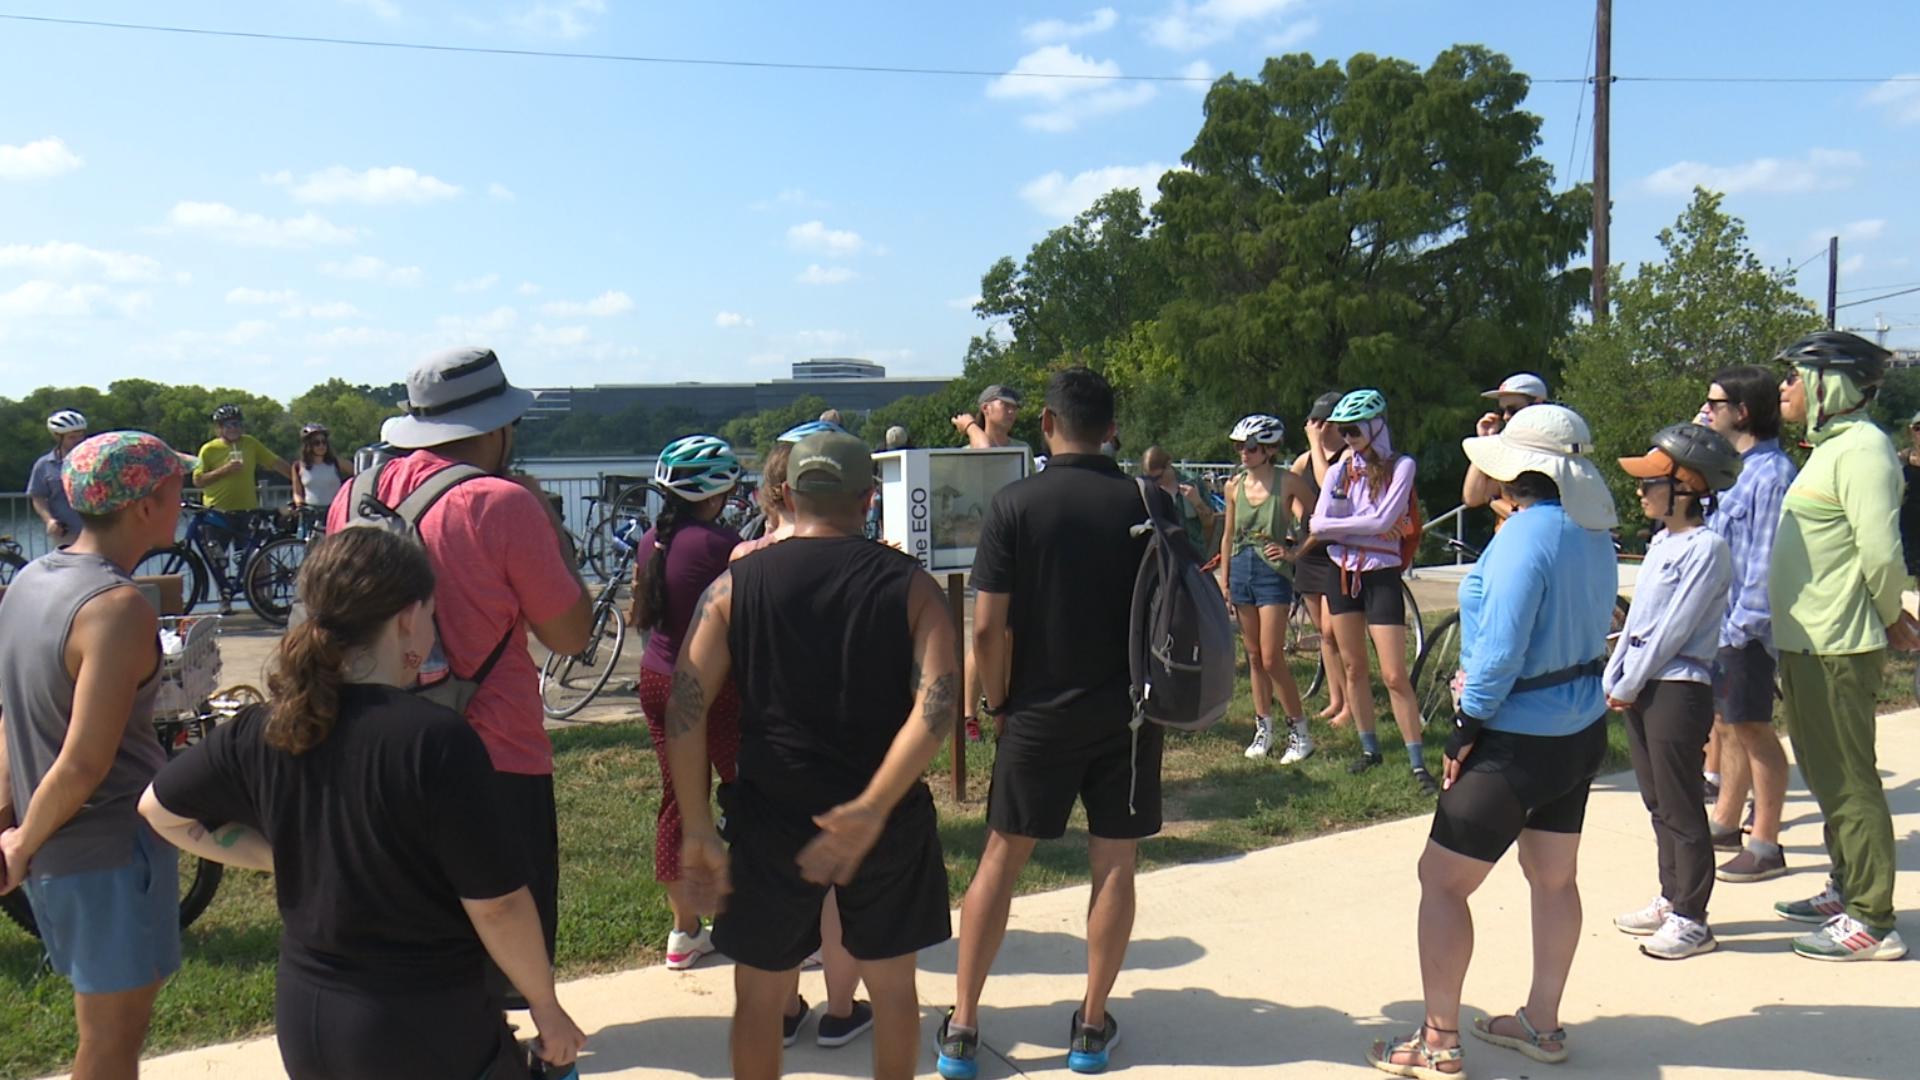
(1674,626)
(1747,515)
(1539,601)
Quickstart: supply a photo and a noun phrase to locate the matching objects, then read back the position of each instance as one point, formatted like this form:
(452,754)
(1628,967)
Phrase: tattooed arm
(698,677)
(235,845)
(850,830)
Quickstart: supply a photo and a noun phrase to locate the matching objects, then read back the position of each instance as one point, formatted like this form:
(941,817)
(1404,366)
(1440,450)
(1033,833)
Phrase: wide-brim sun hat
(1554,441)
(454,395)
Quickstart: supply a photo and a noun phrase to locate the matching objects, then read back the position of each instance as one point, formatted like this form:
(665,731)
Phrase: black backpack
(1181,644)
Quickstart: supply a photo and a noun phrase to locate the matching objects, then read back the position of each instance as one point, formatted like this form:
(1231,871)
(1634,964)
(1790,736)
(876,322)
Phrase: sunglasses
(1718,402)
(1793,377)
(1509,411)
(1350,431)
(1654,483)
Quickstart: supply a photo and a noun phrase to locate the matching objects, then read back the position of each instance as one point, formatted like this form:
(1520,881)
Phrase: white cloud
(1294,34)
(1852,231)
(1061,197)
(376,186)
(1852,264)
(244,295)
(67,259)
(567,19)
(500,191)
(479,284)
(1047,31)
(1900,97)
(247,332)
(478,326)
(353,337)
(1073,88)
(385,9)
(1186,27)
(964,303)
(50,299)
(1199,70)
(247,229)
(559,336)
(611,302)
(332,311)
(815,238)
(1820,170)
(37,160)
(815,274)
(372,268)
(727,320)
(528,288)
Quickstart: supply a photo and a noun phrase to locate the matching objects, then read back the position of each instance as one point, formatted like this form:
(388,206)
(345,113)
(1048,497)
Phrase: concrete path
(1288,961)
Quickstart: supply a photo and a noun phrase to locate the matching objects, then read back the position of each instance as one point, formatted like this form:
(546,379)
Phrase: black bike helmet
(1690,446)
(227,414)
(1836,350)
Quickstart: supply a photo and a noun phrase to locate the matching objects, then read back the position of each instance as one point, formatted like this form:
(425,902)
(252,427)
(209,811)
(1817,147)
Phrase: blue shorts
(117,929)
(1253,583)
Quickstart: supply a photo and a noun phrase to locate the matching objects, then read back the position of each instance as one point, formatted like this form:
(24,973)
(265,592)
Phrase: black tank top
(822,657)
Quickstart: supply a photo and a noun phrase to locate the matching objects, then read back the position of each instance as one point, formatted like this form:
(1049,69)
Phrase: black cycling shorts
(1040,766)
(1381,597)
(1315,574)
(1516,782)
(1744,686)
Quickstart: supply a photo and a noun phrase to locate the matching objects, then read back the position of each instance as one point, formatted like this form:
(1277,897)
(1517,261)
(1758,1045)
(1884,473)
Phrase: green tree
(1707,305)
(353,414)
(754,433)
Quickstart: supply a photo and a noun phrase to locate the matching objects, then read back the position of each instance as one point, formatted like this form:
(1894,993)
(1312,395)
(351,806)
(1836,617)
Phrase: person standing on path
(1836,584)
(495,544)
(230,463)
(845,657)
(991,430)
(372,807)
(79,665)
(1195,511)
(1515,392)
(46,490)
(1743,405)
(1314,576)
(318,476)
(685,550)
(1055,568)
(1529,734)
(1660,676)
(1257,551)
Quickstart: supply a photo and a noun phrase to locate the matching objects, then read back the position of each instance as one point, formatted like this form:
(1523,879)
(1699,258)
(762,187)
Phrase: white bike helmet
(66,422)
(697,467)
(1259,429)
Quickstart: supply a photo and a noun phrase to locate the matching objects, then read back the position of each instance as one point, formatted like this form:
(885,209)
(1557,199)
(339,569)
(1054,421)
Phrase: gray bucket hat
(456,395)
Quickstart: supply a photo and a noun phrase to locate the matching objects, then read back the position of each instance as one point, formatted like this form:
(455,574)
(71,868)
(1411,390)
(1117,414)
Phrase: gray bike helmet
(1836,350)
(228,414)
(1689,446)
(1324,405)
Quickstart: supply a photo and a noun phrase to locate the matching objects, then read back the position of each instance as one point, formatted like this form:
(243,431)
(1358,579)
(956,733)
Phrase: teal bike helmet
(1359,405)
(812,427)
(697,467)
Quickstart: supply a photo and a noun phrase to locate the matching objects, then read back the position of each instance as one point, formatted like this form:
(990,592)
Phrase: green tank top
(1254,526)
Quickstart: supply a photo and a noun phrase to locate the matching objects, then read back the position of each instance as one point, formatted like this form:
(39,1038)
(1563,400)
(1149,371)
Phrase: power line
(1580,105)
(1816,255)
(1870,288)
(1873,299)
(875,69)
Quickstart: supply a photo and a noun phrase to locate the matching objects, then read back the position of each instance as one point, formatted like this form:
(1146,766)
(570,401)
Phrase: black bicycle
(621,499)
(272,573)
(218,556)
(569,682)
(12,559)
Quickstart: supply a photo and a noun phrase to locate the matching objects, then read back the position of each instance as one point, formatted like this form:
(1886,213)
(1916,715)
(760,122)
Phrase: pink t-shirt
(498,566)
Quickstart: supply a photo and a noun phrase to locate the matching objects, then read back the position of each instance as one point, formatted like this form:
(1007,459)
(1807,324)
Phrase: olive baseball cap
(830,462)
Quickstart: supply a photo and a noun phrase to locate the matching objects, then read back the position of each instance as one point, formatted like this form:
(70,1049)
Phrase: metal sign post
(957,606)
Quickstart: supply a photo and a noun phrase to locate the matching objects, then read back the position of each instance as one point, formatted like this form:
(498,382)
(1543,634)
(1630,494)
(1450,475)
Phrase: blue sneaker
(955,1051)
(1088,1047)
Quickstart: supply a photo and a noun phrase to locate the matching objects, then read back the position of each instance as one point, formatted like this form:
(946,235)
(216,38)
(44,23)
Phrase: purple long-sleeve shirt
(1358,522)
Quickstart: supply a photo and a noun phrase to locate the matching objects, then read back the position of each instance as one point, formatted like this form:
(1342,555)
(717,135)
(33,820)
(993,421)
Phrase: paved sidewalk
(1288,961)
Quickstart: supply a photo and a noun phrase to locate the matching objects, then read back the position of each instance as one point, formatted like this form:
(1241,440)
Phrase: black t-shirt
(377,834)
(1060,545)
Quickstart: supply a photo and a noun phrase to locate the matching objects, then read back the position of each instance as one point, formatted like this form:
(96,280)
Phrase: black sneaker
(1710,789)
(841,1030)
(1724,840)
(1428,785)
(1088,1048)
(1367,761)
(790,1025)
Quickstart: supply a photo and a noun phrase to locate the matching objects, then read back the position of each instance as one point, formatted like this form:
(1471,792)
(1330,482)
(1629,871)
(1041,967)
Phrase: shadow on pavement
(1194,1028)
(1055,952)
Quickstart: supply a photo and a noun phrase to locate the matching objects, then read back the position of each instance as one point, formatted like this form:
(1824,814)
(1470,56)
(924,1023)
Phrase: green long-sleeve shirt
(1837,567)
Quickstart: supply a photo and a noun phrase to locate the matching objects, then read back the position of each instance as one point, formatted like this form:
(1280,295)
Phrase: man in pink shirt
(496,550)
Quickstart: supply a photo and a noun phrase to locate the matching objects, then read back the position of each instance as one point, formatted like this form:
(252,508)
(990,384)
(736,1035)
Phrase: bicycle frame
(249,538)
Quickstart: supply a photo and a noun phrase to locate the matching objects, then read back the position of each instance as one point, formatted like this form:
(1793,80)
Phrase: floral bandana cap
(110,471)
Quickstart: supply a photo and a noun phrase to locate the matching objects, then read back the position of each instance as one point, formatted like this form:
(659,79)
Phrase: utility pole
(1833,277)
(1602,166)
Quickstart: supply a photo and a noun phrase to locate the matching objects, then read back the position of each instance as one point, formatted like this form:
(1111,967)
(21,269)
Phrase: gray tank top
(36,705)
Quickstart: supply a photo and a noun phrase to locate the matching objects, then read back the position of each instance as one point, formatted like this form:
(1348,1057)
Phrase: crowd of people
(399,783)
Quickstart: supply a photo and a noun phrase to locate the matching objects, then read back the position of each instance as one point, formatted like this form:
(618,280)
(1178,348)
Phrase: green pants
(1830,718)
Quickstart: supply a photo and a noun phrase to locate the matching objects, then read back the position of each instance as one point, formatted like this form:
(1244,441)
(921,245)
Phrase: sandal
(1380,1056)
(1528,1044)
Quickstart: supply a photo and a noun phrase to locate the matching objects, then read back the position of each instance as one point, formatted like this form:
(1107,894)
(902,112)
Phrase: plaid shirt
(1747,516)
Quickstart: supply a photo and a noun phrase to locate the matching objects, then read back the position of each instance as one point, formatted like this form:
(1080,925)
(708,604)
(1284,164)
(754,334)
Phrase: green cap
(830,461)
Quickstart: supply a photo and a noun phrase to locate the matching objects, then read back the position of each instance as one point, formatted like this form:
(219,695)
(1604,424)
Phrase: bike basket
(189,662)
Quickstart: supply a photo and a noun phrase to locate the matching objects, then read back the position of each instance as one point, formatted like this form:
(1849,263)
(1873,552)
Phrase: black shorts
(329,1031)
(896,904)
(1041,766)
(1516,782)
(533,825)
(1381,597)
(1744,687)
(1315,574)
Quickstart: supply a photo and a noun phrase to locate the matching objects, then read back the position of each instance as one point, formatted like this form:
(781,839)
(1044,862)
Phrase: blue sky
(264,214)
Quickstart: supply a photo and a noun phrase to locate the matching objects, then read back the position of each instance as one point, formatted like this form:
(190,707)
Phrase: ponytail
(650,592)
(305,688)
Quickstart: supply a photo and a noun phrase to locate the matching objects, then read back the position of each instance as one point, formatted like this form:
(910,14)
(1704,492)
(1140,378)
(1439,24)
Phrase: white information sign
(934,502)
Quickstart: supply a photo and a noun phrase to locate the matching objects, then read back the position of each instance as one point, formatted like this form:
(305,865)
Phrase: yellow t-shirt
(238,490)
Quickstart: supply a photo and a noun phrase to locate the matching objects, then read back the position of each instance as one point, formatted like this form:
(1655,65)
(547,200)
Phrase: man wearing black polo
(1055,568)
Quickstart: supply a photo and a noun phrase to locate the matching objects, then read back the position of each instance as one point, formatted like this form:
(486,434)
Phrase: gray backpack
(1181,642)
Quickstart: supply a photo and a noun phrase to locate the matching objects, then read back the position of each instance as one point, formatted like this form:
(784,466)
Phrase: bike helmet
(66,422)
(697,467)
(1259,429)
(1836,350)
(1359,405)
(314,429)
(812,427)
(1324,405)
(228,414)
(1701,451)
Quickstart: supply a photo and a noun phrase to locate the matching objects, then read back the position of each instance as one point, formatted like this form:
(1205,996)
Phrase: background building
(852,386)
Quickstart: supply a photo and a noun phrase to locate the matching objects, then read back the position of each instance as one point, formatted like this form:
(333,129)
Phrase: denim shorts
(116,929)
(1253,583)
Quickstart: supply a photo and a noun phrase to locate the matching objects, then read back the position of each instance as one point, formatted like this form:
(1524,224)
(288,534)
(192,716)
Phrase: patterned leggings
(723,749)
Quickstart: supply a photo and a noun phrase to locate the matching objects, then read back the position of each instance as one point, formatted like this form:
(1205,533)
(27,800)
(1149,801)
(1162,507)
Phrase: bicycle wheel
(271,577)
(182,562)
(1621,605)
(1303,648)
(568,683)
(199,880)
(1416,629)
(1433,672)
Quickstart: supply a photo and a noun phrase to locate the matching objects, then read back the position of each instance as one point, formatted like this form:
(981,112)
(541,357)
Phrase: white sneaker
(1299,743)
(685,950)
(1678,938)
(1262,737)
(1648,920)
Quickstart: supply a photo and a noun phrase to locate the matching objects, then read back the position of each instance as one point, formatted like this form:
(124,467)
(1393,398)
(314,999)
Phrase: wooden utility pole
(1602,166)
(1833,277)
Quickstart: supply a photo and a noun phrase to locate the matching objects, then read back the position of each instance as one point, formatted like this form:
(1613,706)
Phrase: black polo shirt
(1060,545)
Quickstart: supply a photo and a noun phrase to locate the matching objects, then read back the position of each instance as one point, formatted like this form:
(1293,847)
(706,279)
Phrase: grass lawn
(613,915)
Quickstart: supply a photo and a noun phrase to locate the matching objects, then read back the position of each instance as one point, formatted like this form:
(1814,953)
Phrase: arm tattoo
(716,594)
(231,836)
(686,704)
(941,707)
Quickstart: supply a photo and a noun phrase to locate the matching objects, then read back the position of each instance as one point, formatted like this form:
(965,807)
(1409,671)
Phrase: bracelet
(994,711)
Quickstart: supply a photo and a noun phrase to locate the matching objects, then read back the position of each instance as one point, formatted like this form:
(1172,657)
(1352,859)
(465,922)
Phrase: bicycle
(569,682)
(1303,641)
(622,498)
(272,575)
(13,559)
(202,559)
(1439,663)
